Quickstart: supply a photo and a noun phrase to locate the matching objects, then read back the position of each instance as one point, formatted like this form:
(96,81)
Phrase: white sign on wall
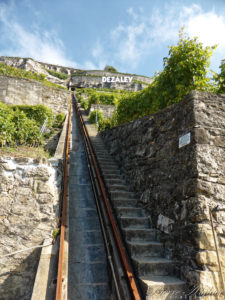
(117,79)
(184,140)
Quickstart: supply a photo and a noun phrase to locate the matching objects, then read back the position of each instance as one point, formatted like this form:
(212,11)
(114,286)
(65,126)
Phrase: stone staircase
(154,271)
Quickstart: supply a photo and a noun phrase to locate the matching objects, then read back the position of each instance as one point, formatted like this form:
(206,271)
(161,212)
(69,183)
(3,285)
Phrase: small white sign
(184,140)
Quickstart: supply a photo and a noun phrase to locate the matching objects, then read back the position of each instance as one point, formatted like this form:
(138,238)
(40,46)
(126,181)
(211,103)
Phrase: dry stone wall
(107,110)
(178,185)
(29,203)
(23,91)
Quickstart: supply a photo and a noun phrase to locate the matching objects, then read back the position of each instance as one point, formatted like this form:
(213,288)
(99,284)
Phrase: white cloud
(43,46)
(137,39)
(209,27)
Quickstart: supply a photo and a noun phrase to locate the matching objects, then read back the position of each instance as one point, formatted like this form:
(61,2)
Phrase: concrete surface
(87,264)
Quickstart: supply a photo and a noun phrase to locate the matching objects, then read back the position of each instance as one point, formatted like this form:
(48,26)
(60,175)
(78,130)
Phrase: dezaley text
(117,79)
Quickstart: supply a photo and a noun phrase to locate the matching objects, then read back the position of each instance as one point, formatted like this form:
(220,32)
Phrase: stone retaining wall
(29,203)
(23,91)
(179,185)
(96,82)
(107,110)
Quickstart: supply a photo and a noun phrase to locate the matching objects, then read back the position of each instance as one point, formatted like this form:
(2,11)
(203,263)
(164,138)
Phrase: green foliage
(84,103)
(220,78)
(26,131)
(185,69)
(92,116)
(101,96)
(38,113)
(19,73)
(139,82)
(110,69)
(6,125)
(20,124)
(59,119)
(58,74)
(103,123)
(55,233)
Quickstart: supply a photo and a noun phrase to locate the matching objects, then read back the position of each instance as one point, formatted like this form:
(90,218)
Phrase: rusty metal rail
(128,270)
(64,208)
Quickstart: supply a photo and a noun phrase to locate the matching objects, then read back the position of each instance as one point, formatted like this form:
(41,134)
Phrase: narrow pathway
(87,264)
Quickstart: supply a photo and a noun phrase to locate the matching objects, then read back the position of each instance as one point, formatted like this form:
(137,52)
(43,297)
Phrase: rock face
(93,79)
(29,195)
(179,180)
(29,64)
(23,91)
(79,78)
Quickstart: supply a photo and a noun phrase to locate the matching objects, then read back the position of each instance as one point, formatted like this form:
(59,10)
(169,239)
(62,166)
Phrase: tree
(220,78)
(185,69)
(110,69)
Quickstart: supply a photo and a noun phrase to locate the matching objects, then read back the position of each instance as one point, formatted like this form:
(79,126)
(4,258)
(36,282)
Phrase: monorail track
(98,264)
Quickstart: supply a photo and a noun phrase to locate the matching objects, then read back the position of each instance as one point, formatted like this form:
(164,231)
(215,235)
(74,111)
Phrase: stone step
(109,164)
(108,176)
(139,234)
(148,265)
(101,152)
(115,181)
(118,187)
(102,155)
(110,167)
(108,172)
(130,212)
(145,248)
(125,203)
(139,222)
(162,287)
(106,159)
(122,195)
(105,163)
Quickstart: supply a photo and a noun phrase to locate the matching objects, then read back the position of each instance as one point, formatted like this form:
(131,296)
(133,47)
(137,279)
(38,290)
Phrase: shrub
(220,79)
(58,74)
(20,124)
(38,113)
(6,125)
(59,119)
(92,116)
(110,69)
(185,69)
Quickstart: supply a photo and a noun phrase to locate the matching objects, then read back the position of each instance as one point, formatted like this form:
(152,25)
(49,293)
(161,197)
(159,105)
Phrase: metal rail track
(124,283)
(64,208)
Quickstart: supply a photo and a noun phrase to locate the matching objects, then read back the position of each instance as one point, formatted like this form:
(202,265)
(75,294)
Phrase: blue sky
(131,35)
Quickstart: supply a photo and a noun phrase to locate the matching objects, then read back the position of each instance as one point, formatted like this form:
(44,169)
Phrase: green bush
(59,119)
(6,125)
(38,113)
(58,74)
(185,69)
(220,79)
(110,69)
(102,98)
(26,131)
(92,116)
(20,124)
